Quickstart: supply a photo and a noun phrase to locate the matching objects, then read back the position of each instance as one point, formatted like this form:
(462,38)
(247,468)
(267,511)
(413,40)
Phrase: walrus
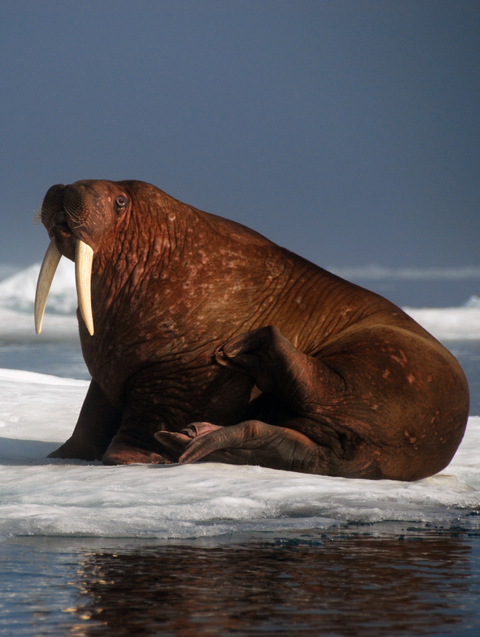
(205,340)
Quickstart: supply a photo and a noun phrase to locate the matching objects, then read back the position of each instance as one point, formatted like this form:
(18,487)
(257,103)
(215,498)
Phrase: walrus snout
(76,201)
(62,210)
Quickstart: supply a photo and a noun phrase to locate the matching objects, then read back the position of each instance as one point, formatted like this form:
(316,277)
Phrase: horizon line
(378,272)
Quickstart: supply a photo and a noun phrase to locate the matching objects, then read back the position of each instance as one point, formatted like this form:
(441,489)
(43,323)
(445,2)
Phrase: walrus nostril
(60,219)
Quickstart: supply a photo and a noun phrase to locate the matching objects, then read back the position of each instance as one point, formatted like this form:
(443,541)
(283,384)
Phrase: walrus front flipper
(97,424)
(250,443)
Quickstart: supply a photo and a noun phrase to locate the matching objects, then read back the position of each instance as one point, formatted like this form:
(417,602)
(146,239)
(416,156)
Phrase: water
(350,584)
(468,355)
(64,360)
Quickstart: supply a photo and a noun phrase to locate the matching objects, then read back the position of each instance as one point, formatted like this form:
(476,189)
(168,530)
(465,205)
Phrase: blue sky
(348,132)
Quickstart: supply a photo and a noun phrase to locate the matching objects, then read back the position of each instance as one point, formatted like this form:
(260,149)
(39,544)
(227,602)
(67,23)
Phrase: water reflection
(351,586)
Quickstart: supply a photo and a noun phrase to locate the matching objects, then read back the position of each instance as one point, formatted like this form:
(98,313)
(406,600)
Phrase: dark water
(468,355)
(348,585)
(59,359)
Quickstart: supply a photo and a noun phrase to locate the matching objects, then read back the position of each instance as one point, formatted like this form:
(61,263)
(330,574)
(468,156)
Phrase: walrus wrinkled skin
(206,340)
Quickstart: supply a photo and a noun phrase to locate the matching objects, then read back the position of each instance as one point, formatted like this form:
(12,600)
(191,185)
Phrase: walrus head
(77,218)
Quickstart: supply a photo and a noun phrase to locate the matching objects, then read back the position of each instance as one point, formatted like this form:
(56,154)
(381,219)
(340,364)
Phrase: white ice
(17,296)
(53,497)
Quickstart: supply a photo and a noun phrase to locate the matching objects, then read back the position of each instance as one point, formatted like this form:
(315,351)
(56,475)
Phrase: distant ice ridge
(73,498)
(473,301)
(17,294)
(376,272)
(449,323)
(18,291)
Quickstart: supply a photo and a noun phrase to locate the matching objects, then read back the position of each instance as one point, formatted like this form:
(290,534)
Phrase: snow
(17,296)
(71,498)
(18,291)
(450,323)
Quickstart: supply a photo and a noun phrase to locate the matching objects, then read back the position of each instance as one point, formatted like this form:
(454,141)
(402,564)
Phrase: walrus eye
(121,202)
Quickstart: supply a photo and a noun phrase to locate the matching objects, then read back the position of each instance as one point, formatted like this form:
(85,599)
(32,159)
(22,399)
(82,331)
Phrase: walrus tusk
(83,274)
(83,277)
(45,278)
